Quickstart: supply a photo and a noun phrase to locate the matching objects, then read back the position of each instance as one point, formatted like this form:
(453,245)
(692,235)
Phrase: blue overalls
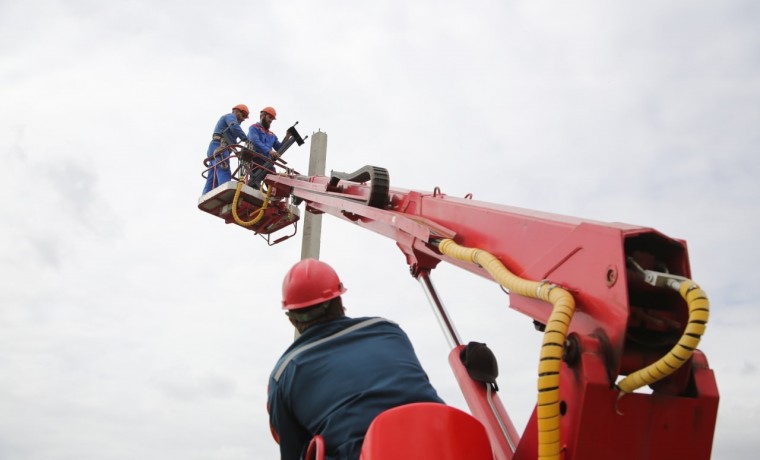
(336,378)
(229,130)
(263,141)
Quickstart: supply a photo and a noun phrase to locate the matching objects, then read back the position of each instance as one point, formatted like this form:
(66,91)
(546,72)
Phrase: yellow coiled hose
(699,312)
(548,405)
(259,214)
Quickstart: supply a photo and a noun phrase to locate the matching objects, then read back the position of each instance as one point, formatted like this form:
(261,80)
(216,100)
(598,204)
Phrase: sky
(133,325)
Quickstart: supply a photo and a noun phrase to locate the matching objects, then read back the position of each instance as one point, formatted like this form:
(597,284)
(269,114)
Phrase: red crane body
(621,324)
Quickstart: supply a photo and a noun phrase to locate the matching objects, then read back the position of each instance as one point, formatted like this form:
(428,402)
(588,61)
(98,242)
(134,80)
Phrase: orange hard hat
(308,283)
(243,108)
(270,111)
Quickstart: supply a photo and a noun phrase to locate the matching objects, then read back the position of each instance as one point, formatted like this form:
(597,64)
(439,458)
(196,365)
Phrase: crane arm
(615,323)
(613,300)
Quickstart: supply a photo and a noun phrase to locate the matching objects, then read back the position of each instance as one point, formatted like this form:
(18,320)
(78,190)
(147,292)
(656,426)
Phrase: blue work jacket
(230,129)
(336,378)
(263,140)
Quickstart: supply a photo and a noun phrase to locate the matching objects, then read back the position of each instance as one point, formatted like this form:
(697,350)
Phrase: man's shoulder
(345,325)
(371,325)
(365,321)
(343,330)
(258,127)
(375,319)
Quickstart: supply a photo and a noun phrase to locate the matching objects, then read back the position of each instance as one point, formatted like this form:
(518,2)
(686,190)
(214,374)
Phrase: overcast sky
(133,325)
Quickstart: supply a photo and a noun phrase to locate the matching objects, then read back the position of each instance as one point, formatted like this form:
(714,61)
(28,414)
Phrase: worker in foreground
(226,132)
(341,372)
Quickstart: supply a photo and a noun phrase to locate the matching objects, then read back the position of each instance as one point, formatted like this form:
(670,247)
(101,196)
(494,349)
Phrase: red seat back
(423,431)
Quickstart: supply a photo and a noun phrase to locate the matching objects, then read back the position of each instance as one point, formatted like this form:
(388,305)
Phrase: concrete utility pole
(312,223)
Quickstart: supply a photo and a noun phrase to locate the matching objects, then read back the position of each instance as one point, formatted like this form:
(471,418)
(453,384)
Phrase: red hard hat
(270,111)
(308,283)
(243,108)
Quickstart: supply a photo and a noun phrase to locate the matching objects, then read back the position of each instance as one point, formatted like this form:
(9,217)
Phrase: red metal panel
(503,436)
(598,426)
(426,431)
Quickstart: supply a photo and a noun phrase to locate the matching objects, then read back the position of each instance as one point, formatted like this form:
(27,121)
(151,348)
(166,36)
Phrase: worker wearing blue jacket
(341,372)
(226,132)
(264,142)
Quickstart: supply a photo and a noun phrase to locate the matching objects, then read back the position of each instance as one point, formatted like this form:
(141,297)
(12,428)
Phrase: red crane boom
(623,306)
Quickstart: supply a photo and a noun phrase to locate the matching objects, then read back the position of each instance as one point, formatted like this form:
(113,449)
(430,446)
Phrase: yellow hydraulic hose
(699,311)
(548,407)
(259,215)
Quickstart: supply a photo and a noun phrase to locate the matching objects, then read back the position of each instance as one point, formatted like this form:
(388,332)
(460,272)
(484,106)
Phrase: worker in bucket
(264,142)
(226,132)
(341,372)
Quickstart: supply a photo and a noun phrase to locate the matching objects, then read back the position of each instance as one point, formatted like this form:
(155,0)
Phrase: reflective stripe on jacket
(336,378)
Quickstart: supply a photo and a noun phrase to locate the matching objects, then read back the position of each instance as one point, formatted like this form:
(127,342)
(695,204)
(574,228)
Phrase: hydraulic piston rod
(447,326)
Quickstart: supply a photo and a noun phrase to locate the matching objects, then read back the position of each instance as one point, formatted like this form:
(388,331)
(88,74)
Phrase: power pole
(312,226)
(312,223)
